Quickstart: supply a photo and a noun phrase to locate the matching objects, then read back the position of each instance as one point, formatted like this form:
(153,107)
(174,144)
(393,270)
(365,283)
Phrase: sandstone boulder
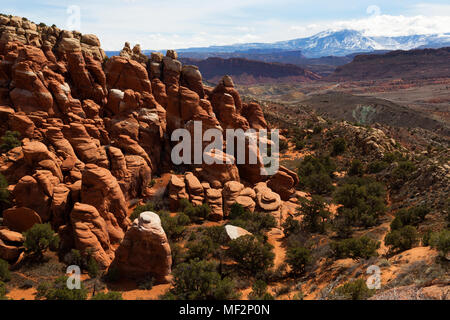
(145,250)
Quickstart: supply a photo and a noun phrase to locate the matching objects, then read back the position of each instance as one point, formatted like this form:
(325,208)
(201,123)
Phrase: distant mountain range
(327,43)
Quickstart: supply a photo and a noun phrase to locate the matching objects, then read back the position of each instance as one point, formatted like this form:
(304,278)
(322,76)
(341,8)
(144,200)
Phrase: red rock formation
(145,250)
(100,189)
(90,233)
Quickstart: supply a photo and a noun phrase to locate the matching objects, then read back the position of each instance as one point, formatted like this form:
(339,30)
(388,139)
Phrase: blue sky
(161,24)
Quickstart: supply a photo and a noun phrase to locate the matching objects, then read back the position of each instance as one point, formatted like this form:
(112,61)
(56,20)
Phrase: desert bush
(3,291)
(315,214)
(5,275)
(290,226)
(9,141)
(402,173)
(58,290)
(356,168)
(40,238)
(92,267)
(197,213)
(4,194)
(256,222)
(355,248)
(315,174)
(201,248)
(339,145)
(174,226)
(251,255)
(146,283)
(317,129)
(199,280)
(149,206)
(376,166)
(412,216)
(110,295)
(353,290)
(112,275)
(299,144)
(283,145)
(402,239)
(362,201)
(298,258)
(259,291)
(441,242)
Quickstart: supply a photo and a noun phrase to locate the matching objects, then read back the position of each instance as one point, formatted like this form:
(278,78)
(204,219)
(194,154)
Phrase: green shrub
(317,129)
(353,290)
(315,214)
(40,238)
(202,248)
(356,168)
(355,248)
(251,255)
(339,145)
(290,226)
(412,216)
(283,145)
(402,239)
(199,280)
(92,267)
(146,283)
(256,222)
(315,174)
(402,173)
(362,201)
(3,291)
(441,241)
(259,291)
(112,275)
(197,213)
(299,145)
(9,141)
(5,275)
(174,226)
(149,206)
(110,295)
(58,290)
(376,166)
(4,194)
(236,211)
(298,258)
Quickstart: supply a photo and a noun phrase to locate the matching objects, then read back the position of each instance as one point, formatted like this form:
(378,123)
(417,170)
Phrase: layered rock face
(145,250)
(95,131)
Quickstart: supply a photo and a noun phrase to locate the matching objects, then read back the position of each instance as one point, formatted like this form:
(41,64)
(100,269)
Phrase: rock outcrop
(145,250)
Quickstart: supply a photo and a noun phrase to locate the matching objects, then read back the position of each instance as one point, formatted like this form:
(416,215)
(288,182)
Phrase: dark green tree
(9,141)
(251,255)
(298,258)
(40,238)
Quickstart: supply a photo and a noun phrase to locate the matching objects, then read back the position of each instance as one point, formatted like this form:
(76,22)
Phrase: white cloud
(160,24)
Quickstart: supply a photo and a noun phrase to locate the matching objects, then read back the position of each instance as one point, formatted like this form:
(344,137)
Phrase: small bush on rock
(40,238)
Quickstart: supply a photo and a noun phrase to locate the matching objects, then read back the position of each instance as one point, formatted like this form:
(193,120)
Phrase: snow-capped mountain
(333,43)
